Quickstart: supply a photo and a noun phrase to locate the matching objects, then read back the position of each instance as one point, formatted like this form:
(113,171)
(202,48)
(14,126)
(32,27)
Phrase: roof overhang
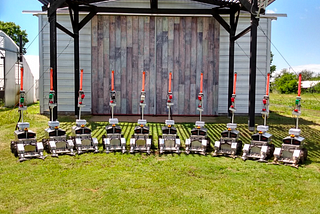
(157,6)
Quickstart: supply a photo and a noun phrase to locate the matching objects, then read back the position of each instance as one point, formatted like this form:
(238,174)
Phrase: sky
(297,35)
(295,38)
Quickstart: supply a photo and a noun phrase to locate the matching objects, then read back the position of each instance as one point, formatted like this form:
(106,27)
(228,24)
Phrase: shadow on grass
(279,126)
(5,109)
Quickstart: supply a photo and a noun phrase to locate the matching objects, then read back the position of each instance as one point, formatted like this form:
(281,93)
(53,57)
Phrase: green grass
(284,104)
(115,183)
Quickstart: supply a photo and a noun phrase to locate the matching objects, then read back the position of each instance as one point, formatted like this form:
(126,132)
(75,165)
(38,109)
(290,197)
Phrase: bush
(286,83)
(316,88)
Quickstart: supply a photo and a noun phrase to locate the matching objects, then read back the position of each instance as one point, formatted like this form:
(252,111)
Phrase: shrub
(286,83)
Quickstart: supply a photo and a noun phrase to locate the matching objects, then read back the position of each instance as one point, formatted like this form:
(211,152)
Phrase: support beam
(64,29)
(247,5)
(242,33)
(20,49)
(87,19)
(154,4)
(54,5)
(71,14)
(53,59)
(253,69)
(147,10)
(219,2)
(222,22)
(76,30)
(233,28)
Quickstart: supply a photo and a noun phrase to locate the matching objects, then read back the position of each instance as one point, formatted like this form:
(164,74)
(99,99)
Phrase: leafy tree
(286,82)
(13,31)
(272,67)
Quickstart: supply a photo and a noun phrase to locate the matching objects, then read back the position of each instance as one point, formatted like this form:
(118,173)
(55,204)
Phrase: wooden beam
(154,4)
(54,5)
(219,3)
(146,10)
(246,4)
(242,33)
(233,27)
(76,59)
(251,8)
(253,69)
(71,15)
(64,30)
(86,19)
(223,23)
(53,59)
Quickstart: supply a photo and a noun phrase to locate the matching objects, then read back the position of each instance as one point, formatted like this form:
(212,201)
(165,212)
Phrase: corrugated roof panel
(102,2)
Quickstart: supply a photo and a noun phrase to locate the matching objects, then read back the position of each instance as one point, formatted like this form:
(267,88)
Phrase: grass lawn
(115,183)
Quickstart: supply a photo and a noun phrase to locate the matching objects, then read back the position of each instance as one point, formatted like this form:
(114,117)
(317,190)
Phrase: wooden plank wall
(185,46)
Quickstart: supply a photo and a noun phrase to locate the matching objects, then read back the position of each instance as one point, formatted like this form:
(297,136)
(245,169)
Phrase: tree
(316,88)
(316,77)
(272,67)
(306,75)
(13,31)
(286,82)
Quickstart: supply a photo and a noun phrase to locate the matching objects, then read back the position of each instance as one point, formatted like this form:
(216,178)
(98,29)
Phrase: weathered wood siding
(185,46)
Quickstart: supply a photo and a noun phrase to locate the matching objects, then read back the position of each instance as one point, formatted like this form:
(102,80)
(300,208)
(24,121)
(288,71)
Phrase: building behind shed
(10,73)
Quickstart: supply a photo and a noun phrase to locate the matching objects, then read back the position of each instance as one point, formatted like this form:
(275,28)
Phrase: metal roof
(244,5)
(92,2)
(88,2)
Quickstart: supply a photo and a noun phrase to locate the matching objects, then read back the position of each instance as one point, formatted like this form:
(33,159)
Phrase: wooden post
(76,58)
(253,67)
(53,59)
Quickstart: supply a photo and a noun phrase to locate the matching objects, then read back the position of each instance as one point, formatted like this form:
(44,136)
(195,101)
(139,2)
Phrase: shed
(185,44)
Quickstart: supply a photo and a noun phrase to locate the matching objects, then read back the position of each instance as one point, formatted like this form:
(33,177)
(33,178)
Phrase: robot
(141,141)
(229,143)
(25,145)
(56,141)
(114,141)
(260,147)
(81,135)
(169,141)
(198,141)
(292,151)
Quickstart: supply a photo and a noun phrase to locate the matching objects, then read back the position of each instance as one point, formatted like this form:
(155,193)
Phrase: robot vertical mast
(143,95)
(297,109)
(52,103)
(200,96)
(232,107)
(169,100)
(265,101)
(81,94)
(22,106)
(112,95)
